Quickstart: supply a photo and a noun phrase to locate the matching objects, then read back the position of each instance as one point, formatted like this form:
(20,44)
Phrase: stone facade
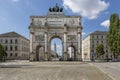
(15,45)
(55,25)
(90,43)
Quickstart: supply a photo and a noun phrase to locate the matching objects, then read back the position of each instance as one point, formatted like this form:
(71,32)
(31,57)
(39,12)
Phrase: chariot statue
(56,8)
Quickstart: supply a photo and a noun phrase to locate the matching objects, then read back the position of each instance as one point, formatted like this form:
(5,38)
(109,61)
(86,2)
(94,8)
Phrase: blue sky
(14,14)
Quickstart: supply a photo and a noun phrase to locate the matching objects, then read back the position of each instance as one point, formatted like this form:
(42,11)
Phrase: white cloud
(105,23)
(87,8)
(83,33)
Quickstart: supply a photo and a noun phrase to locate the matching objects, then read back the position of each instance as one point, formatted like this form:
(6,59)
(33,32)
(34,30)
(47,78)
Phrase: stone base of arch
(46,56)
(79,57)
(65,56)
(32,57)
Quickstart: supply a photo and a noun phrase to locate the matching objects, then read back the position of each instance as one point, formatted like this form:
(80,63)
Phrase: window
(16,48)
(92,46)
(16,54)
(6,48)
(92,50)
(101,37)
(15,40)
(10,54)
(11,48)
(97,37)
(6,54)
(11,41)
(1,40)
(106,50)
(6,41)
(106,46)
(92,36)
(92,41)
(97,42)
(101,41)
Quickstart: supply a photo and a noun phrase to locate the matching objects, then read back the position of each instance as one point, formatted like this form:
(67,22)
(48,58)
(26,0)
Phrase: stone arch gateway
(55,24)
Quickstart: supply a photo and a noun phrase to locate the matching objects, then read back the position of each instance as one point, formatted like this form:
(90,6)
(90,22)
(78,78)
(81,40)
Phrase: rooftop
(12,34)
(99,33)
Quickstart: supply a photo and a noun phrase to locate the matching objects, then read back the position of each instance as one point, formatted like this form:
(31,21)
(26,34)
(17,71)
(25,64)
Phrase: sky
(15,14)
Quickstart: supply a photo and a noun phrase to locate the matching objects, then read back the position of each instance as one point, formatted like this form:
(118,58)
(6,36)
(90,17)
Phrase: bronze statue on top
(56,8)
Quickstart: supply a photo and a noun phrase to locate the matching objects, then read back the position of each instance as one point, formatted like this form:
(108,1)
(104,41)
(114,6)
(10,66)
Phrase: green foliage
(113,37)
(100,50)
(1,52)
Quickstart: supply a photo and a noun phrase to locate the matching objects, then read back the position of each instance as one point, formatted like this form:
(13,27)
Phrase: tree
(113,37)
(1,52)
(100,50)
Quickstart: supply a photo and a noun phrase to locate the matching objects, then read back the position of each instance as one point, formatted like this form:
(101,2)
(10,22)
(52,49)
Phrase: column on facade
(79,42)
(46,43)
(65,41)
(31,42)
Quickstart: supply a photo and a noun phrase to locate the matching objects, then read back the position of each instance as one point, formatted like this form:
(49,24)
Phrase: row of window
(15,48)
(95,51)
(14,54)
(98,36)
(94,46)
(11,55)
(11,41)
(11,48)
(101,41)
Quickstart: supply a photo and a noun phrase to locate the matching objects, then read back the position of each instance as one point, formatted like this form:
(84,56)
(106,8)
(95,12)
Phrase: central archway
(55,47)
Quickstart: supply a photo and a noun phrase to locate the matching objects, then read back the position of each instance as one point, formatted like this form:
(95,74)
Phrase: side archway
(39,52)
(71,50)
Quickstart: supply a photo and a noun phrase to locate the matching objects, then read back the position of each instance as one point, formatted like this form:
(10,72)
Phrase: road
(110,68)
(50,71)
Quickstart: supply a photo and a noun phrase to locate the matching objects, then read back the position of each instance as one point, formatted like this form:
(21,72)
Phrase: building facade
(55,25)
(90,43)
(15,45)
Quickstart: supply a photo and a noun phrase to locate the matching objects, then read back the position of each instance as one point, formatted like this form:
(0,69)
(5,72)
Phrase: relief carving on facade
(39,38)
(72,22)
(71,38)
(37,22)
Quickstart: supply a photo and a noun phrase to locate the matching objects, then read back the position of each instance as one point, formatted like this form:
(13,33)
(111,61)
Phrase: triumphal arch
(55,24)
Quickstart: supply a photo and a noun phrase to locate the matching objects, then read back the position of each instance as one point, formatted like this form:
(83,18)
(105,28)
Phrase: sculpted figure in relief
(71,38)
(39,38)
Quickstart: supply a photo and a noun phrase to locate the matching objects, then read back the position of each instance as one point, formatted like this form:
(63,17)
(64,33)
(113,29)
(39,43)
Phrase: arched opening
(71,53)
(55,48)
(39,53)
